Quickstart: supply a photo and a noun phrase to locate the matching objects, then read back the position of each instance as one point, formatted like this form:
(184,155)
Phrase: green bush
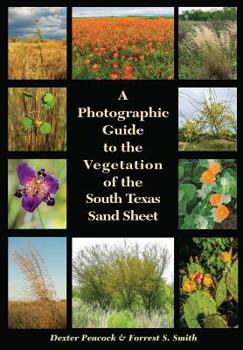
(122,319)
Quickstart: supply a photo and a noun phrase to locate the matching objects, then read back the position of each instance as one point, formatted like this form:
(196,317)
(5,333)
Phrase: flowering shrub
(209,294)
(207,193)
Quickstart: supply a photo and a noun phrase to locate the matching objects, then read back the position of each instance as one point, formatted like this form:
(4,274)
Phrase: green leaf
(221,292)
(194,267)
(189,191)
(182,208)
(47,101)
(181,172)
(204,163)
(181,195)
(233,187)
(201,222)
(45,128)
(27,122)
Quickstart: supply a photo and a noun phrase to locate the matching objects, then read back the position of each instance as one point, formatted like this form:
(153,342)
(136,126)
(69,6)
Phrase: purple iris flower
(37,187)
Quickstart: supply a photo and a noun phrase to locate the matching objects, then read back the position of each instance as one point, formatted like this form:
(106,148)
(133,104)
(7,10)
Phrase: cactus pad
(198,304)
(214,321)
(232,281)
(221,292)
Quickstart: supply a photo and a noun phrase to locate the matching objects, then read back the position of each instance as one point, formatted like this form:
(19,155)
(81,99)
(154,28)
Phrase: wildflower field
(124,48)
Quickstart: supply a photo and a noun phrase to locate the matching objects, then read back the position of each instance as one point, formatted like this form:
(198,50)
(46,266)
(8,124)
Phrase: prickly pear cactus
(214,321)
(221,292)
(232,281)
(194,267)
(198,304)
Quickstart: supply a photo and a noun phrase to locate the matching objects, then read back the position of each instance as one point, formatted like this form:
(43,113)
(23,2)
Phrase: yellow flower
(189,286)
(226,257)
(207,280)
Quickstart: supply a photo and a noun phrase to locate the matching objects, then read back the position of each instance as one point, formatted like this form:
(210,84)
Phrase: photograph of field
(36,119)
(207,194)
(37,283)
(123,283)
(207,119)
(123,43)
(37,43)
(37,194)
(208,273)
(208,43)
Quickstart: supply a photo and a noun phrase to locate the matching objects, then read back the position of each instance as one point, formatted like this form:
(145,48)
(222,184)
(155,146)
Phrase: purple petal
(30,203)
(24,172)
(52,183)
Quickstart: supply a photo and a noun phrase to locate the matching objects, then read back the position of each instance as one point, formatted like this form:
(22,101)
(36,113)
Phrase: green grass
(207,143)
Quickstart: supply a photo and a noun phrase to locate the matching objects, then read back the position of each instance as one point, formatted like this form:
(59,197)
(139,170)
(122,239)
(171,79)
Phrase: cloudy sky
(183,9)
(53,252)
(122,11)
(188,97)
(52,21)
(81,243)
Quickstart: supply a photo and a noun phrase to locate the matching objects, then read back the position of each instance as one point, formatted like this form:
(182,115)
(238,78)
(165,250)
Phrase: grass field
(88,316)
(208,50)
(207,143)
(30,59)
(123,48)
(33,314)
(20,104)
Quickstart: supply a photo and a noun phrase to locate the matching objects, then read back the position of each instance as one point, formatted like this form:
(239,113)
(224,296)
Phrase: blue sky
(81,243)
(187,95)
(52,21)
(53,252)
(122,11)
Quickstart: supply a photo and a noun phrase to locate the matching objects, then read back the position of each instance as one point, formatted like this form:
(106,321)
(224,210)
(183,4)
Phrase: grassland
(30,59)
(38,315)
(208,143)
(208,50)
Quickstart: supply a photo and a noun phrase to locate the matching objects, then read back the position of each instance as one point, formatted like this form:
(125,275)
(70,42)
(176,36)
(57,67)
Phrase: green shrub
(122,319)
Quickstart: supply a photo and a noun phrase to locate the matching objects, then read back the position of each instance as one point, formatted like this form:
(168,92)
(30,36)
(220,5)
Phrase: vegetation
(212,127)
(208,48)
(123,48)
(122,287)
(207,194)
(37,119)
(44,310)
(209,283)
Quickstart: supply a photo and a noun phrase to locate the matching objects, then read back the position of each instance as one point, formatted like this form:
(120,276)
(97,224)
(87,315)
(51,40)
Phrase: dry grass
(45,311)
(36,315)
(208,50)
(33,60)
(20,139)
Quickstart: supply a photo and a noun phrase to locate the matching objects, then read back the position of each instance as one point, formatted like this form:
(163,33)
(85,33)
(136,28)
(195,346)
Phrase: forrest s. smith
(130,338)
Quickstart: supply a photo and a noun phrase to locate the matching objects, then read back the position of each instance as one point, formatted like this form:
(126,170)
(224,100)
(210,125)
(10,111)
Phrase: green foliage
(221,292)
(122,319)
(225,14)
(45,128)
(27,122)
(197,184)
(232,281)
(197,305)
(214,321)
(47,101)
(194,267)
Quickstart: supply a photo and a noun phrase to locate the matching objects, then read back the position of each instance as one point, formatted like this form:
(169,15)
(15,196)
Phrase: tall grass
(91,316)
(20,139)
(40,288)
(208,51)
(25,61)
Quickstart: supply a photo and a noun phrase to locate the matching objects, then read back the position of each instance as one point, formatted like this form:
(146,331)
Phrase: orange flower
(115,54)
(216,199)
(86,61)
(226,257)
(214,167)
(221,212)
(207,177)
(114,76)
(128,69)
(95,67)
(115,66)
(189,286)
(141,58)
(207,280)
